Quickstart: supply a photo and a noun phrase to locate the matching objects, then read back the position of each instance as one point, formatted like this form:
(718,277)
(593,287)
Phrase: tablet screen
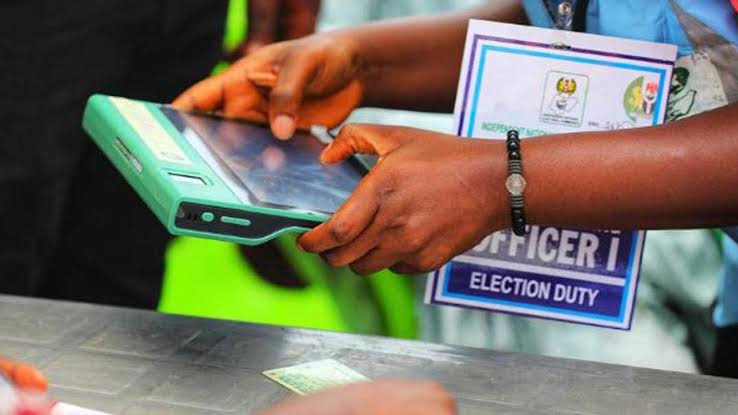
(284,174)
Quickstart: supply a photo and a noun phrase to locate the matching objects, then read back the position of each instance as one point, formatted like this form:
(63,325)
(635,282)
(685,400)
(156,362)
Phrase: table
(138,362)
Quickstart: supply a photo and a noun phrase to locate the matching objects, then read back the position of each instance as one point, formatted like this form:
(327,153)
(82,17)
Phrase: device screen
(286,174)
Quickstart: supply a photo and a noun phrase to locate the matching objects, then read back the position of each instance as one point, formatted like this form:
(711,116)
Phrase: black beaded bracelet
(515,183)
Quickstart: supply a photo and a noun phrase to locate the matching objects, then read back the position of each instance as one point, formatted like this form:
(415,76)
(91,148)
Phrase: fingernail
(263,79)
(283,127)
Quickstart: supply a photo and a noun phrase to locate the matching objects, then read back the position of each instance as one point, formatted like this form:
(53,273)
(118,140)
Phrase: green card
(311,377)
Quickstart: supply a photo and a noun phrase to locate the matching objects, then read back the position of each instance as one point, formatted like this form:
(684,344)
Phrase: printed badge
(522,78)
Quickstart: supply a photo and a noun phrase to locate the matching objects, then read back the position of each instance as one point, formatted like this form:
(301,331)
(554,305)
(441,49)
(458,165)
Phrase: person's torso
(705,74)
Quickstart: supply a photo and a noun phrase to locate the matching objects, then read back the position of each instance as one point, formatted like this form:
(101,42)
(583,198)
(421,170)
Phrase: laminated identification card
(311,377)
(541,81)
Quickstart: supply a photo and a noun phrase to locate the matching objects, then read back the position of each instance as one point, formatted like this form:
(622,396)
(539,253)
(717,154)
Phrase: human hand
(299,83)
(23,375)
(386,397)
(270,21)
(430,197)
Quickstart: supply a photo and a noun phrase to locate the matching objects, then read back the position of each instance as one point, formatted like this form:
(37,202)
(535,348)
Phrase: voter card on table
(311,377)
(541,81)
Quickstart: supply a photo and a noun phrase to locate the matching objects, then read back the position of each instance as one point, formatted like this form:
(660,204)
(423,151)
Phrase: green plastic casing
(184,208)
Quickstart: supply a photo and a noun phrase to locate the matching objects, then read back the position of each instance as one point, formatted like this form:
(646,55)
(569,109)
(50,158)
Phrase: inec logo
(639,100)
(564,97)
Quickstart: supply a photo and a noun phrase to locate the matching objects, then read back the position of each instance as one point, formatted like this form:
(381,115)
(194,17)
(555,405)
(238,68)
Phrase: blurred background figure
(71,227)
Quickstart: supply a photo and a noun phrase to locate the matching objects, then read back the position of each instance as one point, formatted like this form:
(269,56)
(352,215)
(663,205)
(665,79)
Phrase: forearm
(413,63)
(677,176)
(681,175)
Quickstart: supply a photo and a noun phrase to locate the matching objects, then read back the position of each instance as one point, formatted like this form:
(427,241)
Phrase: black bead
(513,145)
(514,155)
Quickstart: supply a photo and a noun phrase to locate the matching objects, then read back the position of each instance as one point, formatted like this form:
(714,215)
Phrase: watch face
(515,184)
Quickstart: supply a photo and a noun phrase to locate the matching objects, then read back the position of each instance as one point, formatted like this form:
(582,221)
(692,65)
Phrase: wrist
(367,73)
(492,162)
(346,48)
(367,68)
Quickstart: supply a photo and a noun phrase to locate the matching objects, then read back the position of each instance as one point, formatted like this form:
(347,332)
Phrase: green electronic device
(209,177)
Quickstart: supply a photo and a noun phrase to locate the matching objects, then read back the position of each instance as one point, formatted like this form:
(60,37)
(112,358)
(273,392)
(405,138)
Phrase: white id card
(541,81)
(311,377)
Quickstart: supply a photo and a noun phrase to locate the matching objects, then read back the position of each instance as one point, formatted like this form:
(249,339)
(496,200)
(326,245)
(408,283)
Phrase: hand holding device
(429,197)
(293,84)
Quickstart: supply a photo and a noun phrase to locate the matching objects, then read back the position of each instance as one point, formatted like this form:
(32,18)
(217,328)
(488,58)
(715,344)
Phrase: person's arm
(414,63)
(410,63)
(433,196)
(680,175)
